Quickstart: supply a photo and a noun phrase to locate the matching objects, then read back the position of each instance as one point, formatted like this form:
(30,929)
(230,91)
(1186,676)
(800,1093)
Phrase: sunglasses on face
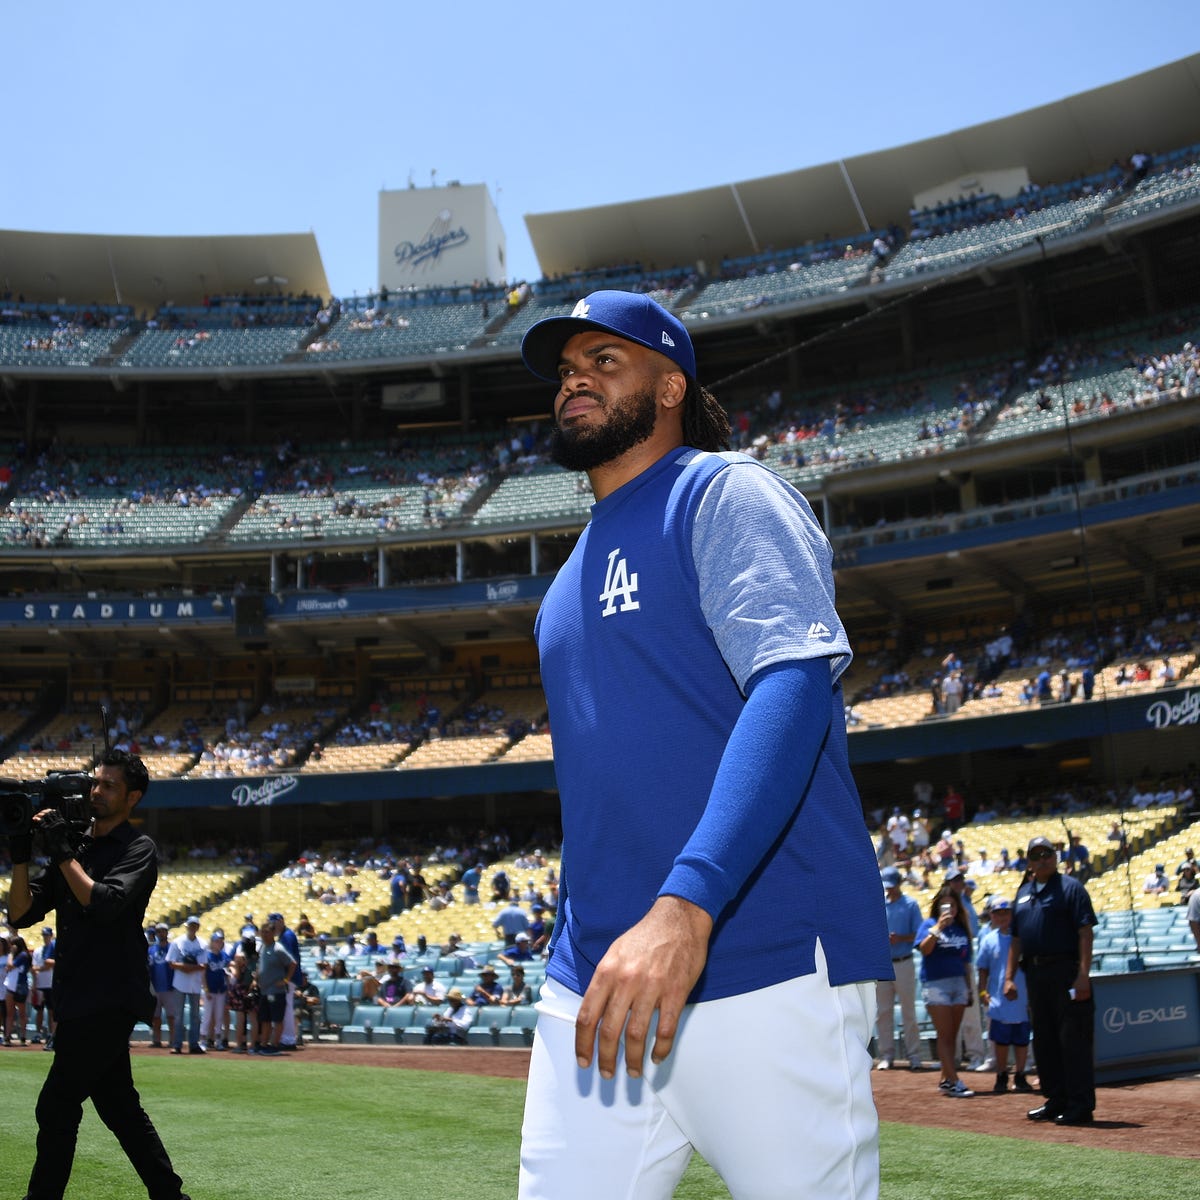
(1038,855)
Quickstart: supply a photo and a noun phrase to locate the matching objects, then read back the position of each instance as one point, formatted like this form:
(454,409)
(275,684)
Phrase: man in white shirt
(186,960)
(428,991)
(452,1023)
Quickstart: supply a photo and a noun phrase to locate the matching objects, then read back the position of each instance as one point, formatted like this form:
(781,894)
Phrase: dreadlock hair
(705,424)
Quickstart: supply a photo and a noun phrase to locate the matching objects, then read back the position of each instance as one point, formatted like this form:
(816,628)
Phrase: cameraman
(100,886)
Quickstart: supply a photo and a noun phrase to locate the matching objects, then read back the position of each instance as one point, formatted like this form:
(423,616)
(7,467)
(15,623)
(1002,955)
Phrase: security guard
(1052,928)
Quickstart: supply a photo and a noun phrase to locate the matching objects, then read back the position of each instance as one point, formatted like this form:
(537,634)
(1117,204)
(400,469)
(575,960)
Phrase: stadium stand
(922,422)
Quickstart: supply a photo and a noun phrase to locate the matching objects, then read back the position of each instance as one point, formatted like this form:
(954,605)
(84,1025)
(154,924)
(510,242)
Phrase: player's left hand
(650,968)
(1083,986)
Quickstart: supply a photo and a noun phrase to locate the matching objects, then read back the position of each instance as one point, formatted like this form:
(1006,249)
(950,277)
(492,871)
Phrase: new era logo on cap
(666,341)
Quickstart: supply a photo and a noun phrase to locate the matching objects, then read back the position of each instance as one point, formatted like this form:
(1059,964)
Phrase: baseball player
(720,904)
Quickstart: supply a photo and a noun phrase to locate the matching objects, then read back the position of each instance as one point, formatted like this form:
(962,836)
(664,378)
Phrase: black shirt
(100,959)
(1048,921)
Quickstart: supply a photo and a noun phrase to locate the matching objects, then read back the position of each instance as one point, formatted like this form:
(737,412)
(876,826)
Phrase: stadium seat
(520,1028)
(366,1020)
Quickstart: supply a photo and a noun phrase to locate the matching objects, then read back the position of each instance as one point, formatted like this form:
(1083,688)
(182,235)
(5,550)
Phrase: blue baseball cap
(630,316)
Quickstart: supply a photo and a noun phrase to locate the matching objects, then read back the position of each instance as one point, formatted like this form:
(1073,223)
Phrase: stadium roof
(145,272)
(1155,111)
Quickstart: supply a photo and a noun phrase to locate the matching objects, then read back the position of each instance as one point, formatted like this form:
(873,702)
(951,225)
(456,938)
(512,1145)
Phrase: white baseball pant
(772,1087)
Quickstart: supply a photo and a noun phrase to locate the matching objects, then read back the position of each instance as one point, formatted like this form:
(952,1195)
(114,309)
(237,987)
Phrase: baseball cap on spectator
(488,970)
(192,920)
(398,940)
(636,318)
(890,877)
(162,925)
(455,994)
(1001,905)
(275,917)
(1040,843)
(426,970)
(522,937)
(953,873)
(972,884)
(47,929)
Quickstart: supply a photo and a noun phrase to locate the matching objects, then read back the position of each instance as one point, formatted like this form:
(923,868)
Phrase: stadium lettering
(322,605)
(107,611)
(1117,1019)
(245,796)
(430,247)
(1187,712)
(503,591)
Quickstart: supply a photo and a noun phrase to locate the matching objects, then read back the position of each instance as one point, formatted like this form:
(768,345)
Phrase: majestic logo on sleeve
(619,584)
(818,631)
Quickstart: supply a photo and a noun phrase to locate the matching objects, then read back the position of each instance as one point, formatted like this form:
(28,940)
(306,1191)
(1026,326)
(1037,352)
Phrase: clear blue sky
(225,118)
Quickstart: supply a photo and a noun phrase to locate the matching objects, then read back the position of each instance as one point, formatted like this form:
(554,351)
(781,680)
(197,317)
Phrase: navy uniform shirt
(1048,922)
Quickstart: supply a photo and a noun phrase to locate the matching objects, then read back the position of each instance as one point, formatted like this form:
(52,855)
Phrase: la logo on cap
(581,310)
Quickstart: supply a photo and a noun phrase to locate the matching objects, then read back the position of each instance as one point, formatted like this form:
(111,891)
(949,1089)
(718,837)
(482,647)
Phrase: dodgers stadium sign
(1162,714)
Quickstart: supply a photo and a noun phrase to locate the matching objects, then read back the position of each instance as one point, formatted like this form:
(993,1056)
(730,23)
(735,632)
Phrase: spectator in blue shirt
(160,981)
(944,941)
(510,921)
(903,919)
(1008,1020)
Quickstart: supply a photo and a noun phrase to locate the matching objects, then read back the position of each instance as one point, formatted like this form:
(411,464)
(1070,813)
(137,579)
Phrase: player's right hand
(650,969)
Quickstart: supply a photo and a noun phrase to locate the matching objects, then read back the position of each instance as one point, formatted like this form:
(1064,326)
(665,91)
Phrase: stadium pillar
(908,341)
(460,562)
(1145,270)
(274,573)
(533,554)
(381,568)
(31,403)
(1024,310)
(464,399)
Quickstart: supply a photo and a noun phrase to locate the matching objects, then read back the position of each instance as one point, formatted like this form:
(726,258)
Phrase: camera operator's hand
(20,848)
(58,839)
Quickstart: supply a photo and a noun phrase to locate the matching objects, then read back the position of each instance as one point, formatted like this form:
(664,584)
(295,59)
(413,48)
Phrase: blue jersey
(160,974)
(690,579)
(993,958)
(215,978)
(949,958)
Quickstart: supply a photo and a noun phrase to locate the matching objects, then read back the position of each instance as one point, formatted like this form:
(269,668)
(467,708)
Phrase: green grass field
(242,1128)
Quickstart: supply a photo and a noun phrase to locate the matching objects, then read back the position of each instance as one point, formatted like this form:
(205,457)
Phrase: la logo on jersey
(619,584)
